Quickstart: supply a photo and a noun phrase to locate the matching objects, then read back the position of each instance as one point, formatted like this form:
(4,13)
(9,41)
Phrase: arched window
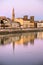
(2,22)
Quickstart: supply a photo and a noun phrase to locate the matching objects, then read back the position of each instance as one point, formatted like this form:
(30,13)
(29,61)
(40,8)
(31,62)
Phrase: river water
(21,49)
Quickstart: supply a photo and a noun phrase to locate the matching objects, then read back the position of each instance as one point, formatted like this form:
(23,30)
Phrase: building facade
(28,23)
(40,24)
(16,25)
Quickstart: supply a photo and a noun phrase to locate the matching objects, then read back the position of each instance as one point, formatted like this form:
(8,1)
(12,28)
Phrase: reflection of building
(35,35)
(32,41)
(9,38)
(4,41)
(17,39)
(40,35)
(26,38)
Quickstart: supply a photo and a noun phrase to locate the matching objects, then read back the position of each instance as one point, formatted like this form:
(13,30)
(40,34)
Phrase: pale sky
(22,7)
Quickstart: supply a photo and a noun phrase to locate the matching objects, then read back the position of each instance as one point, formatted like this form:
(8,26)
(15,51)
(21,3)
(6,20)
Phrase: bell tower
(13,14)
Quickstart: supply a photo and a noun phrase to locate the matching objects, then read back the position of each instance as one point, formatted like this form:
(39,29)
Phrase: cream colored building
(25,23)
(28,24)
(20,20)
(40,24)
(16,25)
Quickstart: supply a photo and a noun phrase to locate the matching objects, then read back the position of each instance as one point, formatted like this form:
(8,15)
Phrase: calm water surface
(21,49)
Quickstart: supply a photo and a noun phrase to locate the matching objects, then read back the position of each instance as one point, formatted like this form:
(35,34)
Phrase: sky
(22,7)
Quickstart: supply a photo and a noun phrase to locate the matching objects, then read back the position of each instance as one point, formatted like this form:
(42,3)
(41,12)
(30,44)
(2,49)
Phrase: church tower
(13,14)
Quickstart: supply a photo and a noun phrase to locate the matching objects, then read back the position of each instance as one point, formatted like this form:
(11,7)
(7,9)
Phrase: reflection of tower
(32,41)
(13,46)
(2,41)
(13,15)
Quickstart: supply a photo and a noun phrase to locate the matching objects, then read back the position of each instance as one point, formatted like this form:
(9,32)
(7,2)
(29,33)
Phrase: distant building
(3,18)
(40,24)
(25,17)
(20,20)
(35,24)
(5,23)
(32,18)
(28,23)
(16,25)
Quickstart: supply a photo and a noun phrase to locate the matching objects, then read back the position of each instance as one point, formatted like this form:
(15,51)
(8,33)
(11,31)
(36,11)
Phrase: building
(40,24)
(2,18)
(16,25)
(4,22)
(28,23)
(25,17)
(13,15)
(20,20)
(35,24)
(32,18)
(25,22)
(8,23)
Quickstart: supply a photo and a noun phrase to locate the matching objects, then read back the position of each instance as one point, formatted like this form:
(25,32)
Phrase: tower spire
(13,14)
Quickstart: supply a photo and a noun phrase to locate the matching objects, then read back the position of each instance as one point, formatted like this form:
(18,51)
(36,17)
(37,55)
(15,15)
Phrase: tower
(32,18)
(26,17)
(13,14)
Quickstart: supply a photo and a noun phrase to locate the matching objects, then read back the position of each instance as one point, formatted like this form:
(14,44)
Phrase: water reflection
(6,39)
(40,35)
(24,38)
(27,47)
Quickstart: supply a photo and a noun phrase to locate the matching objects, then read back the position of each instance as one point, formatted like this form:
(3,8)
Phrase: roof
(38,21)
(16,22)
(3,17)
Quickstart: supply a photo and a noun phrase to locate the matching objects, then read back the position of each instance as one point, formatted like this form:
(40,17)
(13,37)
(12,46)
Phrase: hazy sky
(22,7)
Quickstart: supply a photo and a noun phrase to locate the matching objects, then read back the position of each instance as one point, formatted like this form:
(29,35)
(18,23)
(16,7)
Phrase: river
(21,49)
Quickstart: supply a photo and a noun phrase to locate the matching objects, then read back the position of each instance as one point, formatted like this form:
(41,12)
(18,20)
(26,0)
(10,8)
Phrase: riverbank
(12,30)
